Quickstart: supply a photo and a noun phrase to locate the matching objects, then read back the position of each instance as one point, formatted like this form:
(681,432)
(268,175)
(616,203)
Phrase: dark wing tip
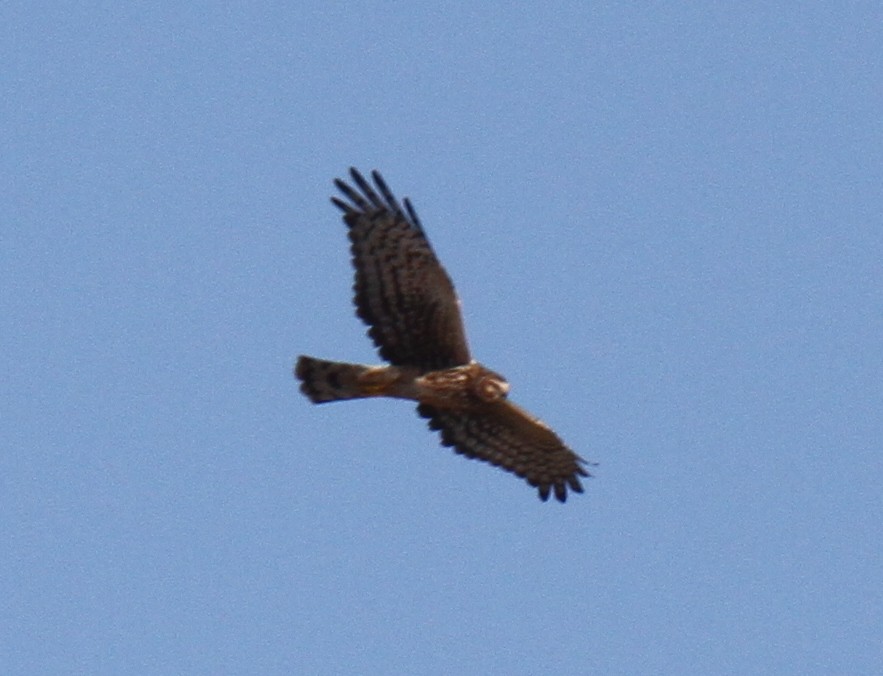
(575,484)
(340,204)
(357,201)
(559,488)
(364,198)
(412,215)
(382,187)
(360,181)
(581,469)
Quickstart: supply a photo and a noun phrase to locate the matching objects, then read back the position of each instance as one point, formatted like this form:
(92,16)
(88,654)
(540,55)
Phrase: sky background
(664,222)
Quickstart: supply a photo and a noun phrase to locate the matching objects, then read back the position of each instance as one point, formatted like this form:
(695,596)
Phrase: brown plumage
(408,301)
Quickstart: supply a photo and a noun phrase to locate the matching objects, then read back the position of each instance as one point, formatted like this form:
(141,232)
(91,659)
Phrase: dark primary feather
(402,292)
(505,435)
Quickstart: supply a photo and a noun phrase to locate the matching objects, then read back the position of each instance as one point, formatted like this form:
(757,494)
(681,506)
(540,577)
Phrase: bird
(407,299)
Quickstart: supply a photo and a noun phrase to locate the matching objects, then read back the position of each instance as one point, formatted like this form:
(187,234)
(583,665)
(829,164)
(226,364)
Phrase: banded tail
(324,381)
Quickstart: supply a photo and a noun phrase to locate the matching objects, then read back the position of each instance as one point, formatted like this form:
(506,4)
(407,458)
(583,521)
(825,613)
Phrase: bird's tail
(325,381)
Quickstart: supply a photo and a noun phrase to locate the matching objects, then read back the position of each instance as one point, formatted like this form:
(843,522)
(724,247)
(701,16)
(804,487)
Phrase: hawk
(407,299)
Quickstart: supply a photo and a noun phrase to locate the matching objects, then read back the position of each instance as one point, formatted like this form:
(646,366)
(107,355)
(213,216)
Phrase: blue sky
(664,222)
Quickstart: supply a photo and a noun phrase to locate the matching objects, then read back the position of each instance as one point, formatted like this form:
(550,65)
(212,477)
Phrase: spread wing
(509,437)
(401,290)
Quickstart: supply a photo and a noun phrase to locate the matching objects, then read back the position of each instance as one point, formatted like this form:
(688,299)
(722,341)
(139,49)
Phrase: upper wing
(505,435)
(401,290)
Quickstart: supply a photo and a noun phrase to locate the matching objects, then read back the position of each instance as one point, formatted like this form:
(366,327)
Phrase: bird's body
(453,388)
(407,299)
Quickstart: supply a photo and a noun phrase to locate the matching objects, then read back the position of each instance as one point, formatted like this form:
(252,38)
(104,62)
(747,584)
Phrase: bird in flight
(408,301)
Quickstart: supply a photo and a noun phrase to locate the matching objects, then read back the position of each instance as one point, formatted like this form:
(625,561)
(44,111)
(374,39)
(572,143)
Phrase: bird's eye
(490,389)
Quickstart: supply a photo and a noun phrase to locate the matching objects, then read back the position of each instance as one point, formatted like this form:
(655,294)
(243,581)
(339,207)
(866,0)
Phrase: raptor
(408,301)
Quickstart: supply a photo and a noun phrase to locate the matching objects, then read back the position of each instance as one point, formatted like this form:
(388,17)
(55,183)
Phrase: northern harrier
(405,296)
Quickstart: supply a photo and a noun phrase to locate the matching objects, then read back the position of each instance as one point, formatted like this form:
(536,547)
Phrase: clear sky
(664,222)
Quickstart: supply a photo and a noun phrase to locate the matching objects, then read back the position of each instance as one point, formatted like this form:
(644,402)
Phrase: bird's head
(490,387)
